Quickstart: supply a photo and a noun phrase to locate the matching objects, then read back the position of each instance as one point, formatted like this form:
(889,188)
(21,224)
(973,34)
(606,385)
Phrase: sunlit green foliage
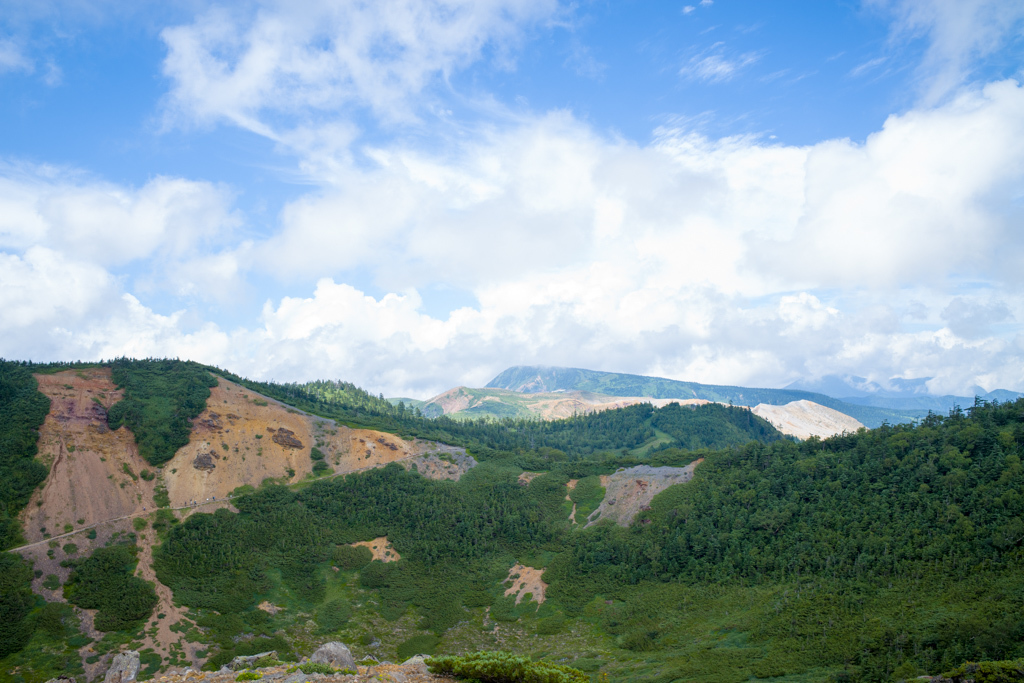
(16,600)
(160,397)
(503,667)
(105,582)
(22,410)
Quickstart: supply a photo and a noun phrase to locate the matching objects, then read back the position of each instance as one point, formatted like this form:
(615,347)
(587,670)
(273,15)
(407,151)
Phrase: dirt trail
(570,485)
(630,491)
(526,580)
(172,613)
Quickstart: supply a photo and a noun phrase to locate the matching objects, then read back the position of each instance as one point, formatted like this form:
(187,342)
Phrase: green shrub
(316,668)
(70,549)
(264,662)
(91,535)
(249,676)
(139,523)
(316,454)
(320,466)
(418,645)
(333,616)
(504,667)
(16,599)
(51,582)
(1006,671)
(128,471)
(105,582)
(160,399)
(551,625)
(351,557)
(147,475)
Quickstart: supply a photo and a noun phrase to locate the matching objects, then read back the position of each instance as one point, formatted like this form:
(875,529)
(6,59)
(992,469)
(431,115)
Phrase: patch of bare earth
(526,477)
(526,581)
(241,438)
(630,491)
(381,549)
(446,466)
(172,614)
(804,419)
(88,481)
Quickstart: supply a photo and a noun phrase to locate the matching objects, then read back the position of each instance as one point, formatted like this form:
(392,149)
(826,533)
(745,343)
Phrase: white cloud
(960,34)
(711,66)
(13,58)
(304,61)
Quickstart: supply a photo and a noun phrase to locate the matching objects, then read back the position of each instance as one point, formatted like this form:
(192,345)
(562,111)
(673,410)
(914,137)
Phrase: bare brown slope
(88,482)
(243,438)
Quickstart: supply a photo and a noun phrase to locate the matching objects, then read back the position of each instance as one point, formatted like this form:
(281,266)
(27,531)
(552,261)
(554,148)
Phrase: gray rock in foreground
(248,661)
(335,654)
(124,668)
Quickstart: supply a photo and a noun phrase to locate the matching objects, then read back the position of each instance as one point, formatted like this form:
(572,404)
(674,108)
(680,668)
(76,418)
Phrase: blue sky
(413,195)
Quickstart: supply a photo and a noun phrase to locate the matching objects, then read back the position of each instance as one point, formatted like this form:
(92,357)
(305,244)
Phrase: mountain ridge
(534,379)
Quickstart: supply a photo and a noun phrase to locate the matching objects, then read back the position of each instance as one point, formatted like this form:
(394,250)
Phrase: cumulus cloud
(730,260)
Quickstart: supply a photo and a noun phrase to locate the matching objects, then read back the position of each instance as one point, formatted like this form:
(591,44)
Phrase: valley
(645,541)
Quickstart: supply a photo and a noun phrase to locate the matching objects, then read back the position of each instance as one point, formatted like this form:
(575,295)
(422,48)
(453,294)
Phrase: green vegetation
(105,582)
(22,411)
(16,600)
(249,676)
(866,556)
(160,397)
(579,436)
(425,644)
(988,672)
(502,667)
(316,668)
(587,495)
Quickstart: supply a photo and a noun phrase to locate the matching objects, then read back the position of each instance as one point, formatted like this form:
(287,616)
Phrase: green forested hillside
(161,397)
(22,411)
(864,557)
(625,428)
(877,556)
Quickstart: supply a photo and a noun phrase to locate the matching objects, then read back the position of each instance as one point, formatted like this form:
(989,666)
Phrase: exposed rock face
(247,662)
(335,654)
(630,491)
(286,438)
(63,678)
(203,461)
(124,668)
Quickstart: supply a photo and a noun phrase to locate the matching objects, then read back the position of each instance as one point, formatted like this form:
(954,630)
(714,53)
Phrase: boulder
(124,668)
(335,654)
(417,663)
(247,662)
(297,677)
(63,678)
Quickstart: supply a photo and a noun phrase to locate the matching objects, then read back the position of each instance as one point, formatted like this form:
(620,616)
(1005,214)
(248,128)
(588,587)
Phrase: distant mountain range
(869,409)
(900,394)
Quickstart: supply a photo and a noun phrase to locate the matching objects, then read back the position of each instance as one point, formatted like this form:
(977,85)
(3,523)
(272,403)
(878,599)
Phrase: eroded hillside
(99,489)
